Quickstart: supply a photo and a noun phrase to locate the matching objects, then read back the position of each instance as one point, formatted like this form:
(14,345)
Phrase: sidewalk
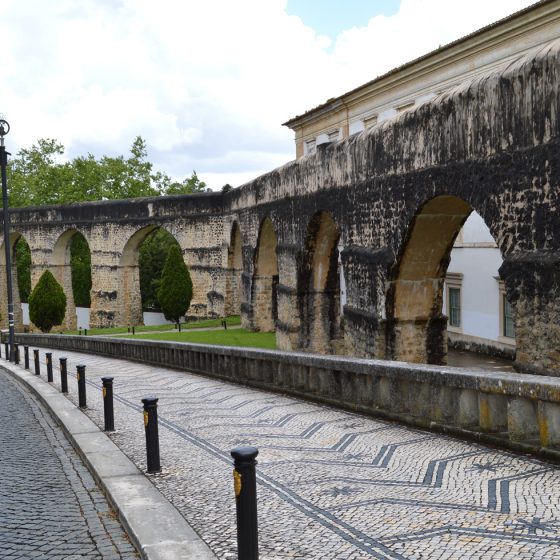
(50,506)
(157,529)
(331,484)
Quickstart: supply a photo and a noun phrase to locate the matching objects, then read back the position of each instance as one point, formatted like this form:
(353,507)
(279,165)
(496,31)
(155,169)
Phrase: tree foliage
(23,267)
(39,175)
(80,264)
(175,290)
(47,303)
(151,260)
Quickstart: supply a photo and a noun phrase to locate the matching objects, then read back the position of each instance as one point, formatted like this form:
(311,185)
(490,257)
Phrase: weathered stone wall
(397,193)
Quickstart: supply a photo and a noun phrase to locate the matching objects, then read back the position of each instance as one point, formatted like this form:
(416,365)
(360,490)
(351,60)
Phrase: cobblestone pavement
(331,484)
(50,507)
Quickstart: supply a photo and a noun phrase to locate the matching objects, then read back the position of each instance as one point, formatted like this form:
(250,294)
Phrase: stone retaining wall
(514,410)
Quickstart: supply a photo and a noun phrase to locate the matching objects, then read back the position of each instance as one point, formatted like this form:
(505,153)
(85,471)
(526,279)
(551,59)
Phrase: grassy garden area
(234,320)
(190,332)
(233,337)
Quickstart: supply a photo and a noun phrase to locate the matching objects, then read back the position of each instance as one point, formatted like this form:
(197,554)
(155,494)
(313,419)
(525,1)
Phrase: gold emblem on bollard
(236,483)
(145,418)
(104,392)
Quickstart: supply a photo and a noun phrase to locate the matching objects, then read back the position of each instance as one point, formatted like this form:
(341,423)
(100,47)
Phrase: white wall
(476,256)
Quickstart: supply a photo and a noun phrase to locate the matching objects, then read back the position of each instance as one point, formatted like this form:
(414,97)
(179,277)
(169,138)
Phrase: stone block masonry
(392,198)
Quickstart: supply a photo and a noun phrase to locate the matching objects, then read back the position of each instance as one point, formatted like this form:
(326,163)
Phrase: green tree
(47,303)
(151,260)
(175,290)
(80,264)
(23,267)
(35,175)
(190,185)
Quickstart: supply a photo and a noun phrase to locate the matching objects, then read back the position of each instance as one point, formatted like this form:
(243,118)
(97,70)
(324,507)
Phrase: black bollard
(7,349)
(16,354)
(37,364)
(245,487)
(48,360)
(80,331)
(26,356)
(152,436)
(81,375)
(85,332)
(133,331)
(108,410)
(63,375)
(128,329)
(179,327)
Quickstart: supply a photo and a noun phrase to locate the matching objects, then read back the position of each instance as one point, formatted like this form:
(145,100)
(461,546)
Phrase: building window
(454,283)
(334,135)
(370,121)
(454,307)
(310,146)
(508,319)
(405,107)
(507,314)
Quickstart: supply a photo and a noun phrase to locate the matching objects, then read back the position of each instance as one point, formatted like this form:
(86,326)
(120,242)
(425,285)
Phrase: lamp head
(4,127)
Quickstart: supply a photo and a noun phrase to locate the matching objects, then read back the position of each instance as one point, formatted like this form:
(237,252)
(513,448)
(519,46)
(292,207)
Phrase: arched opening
(418,306)
(71,266)
(140,268)
(265,280)
(20,255)
(233,274)
(320,288)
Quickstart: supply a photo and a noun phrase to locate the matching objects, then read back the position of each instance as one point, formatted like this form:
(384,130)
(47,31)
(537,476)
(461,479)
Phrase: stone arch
(60,265)
(233,272)
(18,314)
(129,307)
(264,296)
(320,287)
(416,325)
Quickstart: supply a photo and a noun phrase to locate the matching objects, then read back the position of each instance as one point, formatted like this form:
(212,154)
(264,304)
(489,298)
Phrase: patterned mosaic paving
(331,484)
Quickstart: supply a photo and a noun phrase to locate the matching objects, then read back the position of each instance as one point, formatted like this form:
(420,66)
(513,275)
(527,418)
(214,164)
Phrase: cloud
(207,84)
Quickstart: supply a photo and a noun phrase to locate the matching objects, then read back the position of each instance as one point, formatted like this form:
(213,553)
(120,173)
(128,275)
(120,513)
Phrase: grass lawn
(236,337)
(231,321)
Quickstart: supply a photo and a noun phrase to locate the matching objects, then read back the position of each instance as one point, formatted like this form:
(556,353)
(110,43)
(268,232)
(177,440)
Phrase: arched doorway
(320,288)
(417,322)
(141,263)
(20,255)
(265,280)
(233,273)
(71,266)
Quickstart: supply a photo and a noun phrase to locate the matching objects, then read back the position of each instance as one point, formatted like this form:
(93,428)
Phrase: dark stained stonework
(398,195)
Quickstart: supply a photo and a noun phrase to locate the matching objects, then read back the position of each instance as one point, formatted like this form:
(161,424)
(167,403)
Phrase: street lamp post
(4,129)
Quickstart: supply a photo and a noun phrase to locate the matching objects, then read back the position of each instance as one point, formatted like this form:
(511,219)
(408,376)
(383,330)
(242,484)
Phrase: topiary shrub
(175,289)
(47,303)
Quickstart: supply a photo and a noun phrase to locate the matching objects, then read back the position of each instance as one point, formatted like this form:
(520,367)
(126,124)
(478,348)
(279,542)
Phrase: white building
(479,315)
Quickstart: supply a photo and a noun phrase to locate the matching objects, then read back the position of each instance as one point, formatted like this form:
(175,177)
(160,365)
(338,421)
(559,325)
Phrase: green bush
(80,263)
(47,303)
(175,289)
(23,265)
(151,260)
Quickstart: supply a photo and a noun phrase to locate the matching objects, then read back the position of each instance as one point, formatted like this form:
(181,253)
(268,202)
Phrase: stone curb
(156,528)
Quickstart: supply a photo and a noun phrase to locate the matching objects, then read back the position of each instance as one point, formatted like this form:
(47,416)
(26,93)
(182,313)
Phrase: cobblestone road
(50,507)
(332,485)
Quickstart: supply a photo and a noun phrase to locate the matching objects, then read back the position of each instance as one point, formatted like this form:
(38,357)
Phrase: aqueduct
(393,198)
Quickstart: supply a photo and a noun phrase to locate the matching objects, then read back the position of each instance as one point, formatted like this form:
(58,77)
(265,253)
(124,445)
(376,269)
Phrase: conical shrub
(47,303)
(175,289)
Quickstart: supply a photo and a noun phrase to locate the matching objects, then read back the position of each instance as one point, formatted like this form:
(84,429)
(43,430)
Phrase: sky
(207,83)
